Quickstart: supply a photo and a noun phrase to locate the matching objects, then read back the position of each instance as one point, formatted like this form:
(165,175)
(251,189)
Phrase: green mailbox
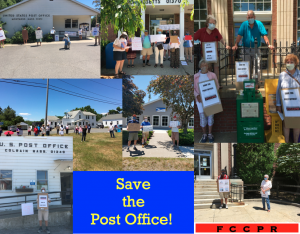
(250,115)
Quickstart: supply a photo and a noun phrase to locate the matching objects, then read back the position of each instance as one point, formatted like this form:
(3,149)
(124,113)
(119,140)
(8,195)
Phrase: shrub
(17,38)
(125,135)
(185,139)
(48,37)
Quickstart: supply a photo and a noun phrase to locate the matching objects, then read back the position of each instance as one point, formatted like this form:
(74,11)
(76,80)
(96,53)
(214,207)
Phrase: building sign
(160,109)
(27,16)
(60,146)
(169,26)
(163,2)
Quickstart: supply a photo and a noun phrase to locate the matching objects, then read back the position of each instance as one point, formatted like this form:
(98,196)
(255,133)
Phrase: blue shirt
(131,121)
(249,34)
(145,124)
(146,41)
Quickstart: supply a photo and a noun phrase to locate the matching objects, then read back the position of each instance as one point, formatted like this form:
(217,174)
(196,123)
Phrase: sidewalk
(251,212)
(220,137)
(160,145)
(150,70)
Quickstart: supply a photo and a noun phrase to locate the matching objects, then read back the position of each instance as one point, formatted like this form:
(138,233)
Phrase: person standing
(80,130)
(36,131)
(84,129)
(43,130)
(111,130)
(175,132)
(119,54)
(40,39)
(131,54)
(89,128)
(266,186)
(25,35)
(174,48)
(43,214)
(67,129)
(133,135)
(222,195)
(0,131)
(159,51)
(29,131)
(47,130)
(39,129)
(249,30)
(61,130)
(52,31)
(80,33)
(19,130)
(145,134)
(2,39)
(76,129)
(147,48)
(188,48)
(57,129)
(97,38)
(167,45)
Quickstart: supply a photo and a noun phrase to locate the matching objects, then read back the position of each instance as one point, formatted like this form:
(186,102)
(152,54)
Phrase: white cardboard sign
(209,93)
(210,51)
(38,34)
(2,35)
(95,32)
(147,128)
(158,38)
(43,201)
(291,102)
(27,209)
(173,124)
(242,71)
(136,43)
(169,27)
(224,186)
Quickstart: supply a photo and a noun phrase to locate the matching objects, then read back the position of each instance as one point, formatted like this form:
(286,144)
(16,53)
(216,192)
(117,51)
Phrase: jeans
(112,134)
(83,137)
(268,202)
(47,133)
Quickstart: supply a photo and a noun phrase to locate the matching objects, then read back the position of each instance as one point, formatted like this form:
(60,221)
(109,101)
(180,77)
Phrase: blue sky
(87,2)
(142,82)
(29,102)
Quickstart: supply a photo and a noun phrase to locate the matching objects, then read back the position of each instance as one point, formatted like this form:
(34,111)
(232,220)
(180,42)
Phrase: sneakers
(221,207)
(127,149)
(47,230)
(143,145)
(211,138)
(148,64)
(144,64)
(135,148)
(40,230)
(226,206)
(204,138)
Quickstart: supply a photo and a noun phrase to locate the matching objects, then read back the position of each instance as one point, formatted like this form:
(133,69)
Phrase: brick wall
(209,7)
(224,121)
(230,23)
(111,35)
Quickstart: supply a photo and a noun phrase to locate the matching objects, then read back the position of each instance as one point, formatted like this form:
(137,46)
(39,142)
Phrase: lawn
(158,164)
(99,152)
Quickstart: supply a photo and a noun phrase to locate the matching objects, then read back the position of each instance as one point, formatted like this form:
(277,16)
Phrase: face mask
(204,69)
(187,34)
(134,118)
(223,173)
(211,26)
(146,120)
(159,32)
(43,191)
(290,66)
(251,21)
(265,178)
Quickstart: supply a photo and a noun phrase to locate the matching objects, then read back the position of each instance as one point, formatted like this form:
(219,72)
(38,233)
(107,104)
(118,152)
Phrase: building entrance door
(202,165)
(66,181)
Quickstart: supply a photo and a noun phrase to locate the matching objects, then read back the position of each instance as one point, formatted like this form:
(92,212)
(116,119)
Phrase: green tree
(288,161)
(118,110)
(9,113)
(18,119)
(42,120)
(177,94)
(133,98)
(59,116)
(254,160)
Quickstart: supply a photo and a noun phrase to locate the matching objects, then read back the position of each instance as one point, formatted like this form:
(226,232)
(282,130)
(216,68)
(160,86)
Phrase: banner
(95,32)
(38,34)
(158,38)
(169,26)
(2,35)
(136,43)
(70,33)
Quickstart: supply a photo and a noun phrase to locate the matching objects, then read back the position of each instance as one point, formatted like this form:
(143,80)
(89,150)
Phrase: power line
(92,99)
(104,101)
(105,85)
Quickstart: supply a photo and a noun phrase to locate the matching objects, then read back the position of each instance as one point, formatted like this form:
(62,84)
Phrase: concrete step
(206,196)
(207,193)
(216,205)
(207,200)
(202,206)
(205,182)
(206,186)
(205,189)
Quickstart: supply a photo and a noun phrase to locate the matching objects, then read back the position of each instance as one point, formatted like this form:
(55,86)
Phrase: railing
(236,191)
(62,34)
(62,197)
(227,59)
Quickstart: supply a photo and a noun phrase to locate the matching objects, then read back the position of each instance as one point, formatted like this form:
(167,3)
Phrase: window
(92,124)
(164,121)
(68,23)
(117,122)
(51,123)
(42,180)
(191,122)
(200,14)
(92,117)
(149,119)
(79,116)
(74,23)
(155,120)
(5,179)
(255,5)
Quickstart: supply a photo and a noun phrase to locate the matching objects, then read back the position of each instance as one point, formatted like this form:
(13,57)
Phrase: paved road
(150,70)
(51,61)
(53,230)
(251,212)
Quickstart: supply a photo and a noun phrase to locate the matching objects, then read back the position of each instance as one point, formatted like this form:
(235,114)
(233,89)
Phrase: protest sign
(290,102)
(173,124)
(80,32)
(42,202)
(27,209)
(38,34)
(147,128)
(223,185)
(188,38)
(52,31)
(210,52)
(242,72)
(95,32)
(158,38)
(133,127)
(136,44)
(56,37)
(210,97)
(2,35)
(174,39)
(169,26)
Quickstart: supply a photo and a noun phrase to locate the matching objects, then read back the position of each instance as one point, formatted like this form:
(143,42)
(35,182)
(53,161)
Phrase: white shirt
(176,129)
(203,77)
(265,185)
(118,42)
(175,45)
(111,128)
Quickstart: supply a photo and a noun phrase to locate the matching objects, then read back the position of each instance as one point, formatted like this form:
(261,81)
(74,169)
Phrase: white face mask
(290,66)
(43,191)
(146,120)
(211,26)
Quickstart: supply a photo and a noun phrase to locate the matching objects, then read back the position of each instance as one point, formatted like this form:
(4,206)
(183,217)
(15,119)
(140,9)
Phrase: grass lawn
(158,164)
(99,152)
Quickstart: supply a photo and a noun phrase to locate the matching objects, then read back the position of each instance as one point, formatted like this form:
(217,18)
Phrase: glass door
(205,170)
(196,166)
(266,60)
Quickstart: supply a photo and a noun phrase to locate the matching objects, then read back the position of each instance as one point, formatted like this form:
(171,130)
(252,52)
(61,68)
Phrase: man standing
(133,135)
(175,131)
(147,48)
(67,129)
(250,30)
(57,129)
(225,195)
(89,128)
(43,213)
(145,134)
(97,38)
(52,31)
(111,131)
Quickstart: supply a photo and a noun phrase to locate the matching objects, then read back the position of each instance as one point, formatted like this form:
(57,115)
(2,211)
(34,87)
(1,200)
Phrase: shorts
(43,214)
(188,51)
(39,40)
(148,51)
(133,136)
(119,55)
(166,46)
(145,135)
(204,120)
(61,132)
(175,135)
(224,195)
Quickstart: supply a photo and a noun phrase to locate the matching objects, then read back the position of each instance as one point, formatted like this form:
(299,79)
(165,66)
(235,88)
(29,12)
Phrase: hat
(159,29)
(53,27)
(175,116)
(66,35)
(146,30)
(125,33)
(134,115)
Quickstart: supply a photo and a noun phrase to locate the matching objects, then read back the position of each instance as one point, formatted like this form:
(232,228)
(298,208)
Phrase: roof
(52,118)
(74,113)
(24,1)
(148,103)
(110,117)
(22,123)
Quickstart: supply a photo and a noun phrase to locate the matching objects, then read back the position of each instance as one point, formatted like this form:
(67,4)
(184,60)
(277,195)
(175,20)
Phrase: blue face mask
(159,32)
(265,178)
(187,34)
(211,26)
(134,118)
(251,21)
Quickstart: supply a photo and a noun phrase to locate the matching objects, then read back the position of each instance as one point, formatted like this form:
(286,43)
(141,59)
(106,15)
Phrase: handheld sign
(210,98)
(147,128)
(25,34)
(158,38)
(210,52)
(52,31)
(56,37)
(173,124)
(188,38)
(290,102)
(136,44)
(38,34)
(133,127)
(264,195)
(174,39)
(42,201)
(223,185)
(2,35)
(242,73)
(95,32)
(80,32)
(27,209)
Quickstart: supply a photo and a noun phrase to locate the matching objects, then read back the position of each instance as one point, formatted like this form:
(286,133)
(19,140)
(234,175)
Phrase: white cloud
(25,114)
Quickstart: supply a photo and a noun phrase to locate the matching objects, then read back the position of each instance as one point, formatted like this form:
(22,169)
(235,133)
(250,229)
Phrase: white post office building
(64,15)
(29,163)
(115,119)
(79,118)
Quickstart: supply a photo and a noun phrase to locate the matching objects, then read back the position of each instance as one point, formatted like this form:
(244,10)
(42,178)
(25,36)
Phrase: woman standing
(29,131)
(61,130)
(83,133)
(2,38)
(36,131)
(43,130)
(174,49)
(80,130)
(188,48)
(25,35)
(288,79)
(266,186)
(19,130)
(119,54)
(89,128)
(47,130)
(40,39)
(131,55)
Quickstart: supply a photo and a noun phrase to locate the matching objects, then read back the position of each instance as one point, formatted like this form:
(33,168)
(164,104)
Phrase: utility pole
(47,103)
